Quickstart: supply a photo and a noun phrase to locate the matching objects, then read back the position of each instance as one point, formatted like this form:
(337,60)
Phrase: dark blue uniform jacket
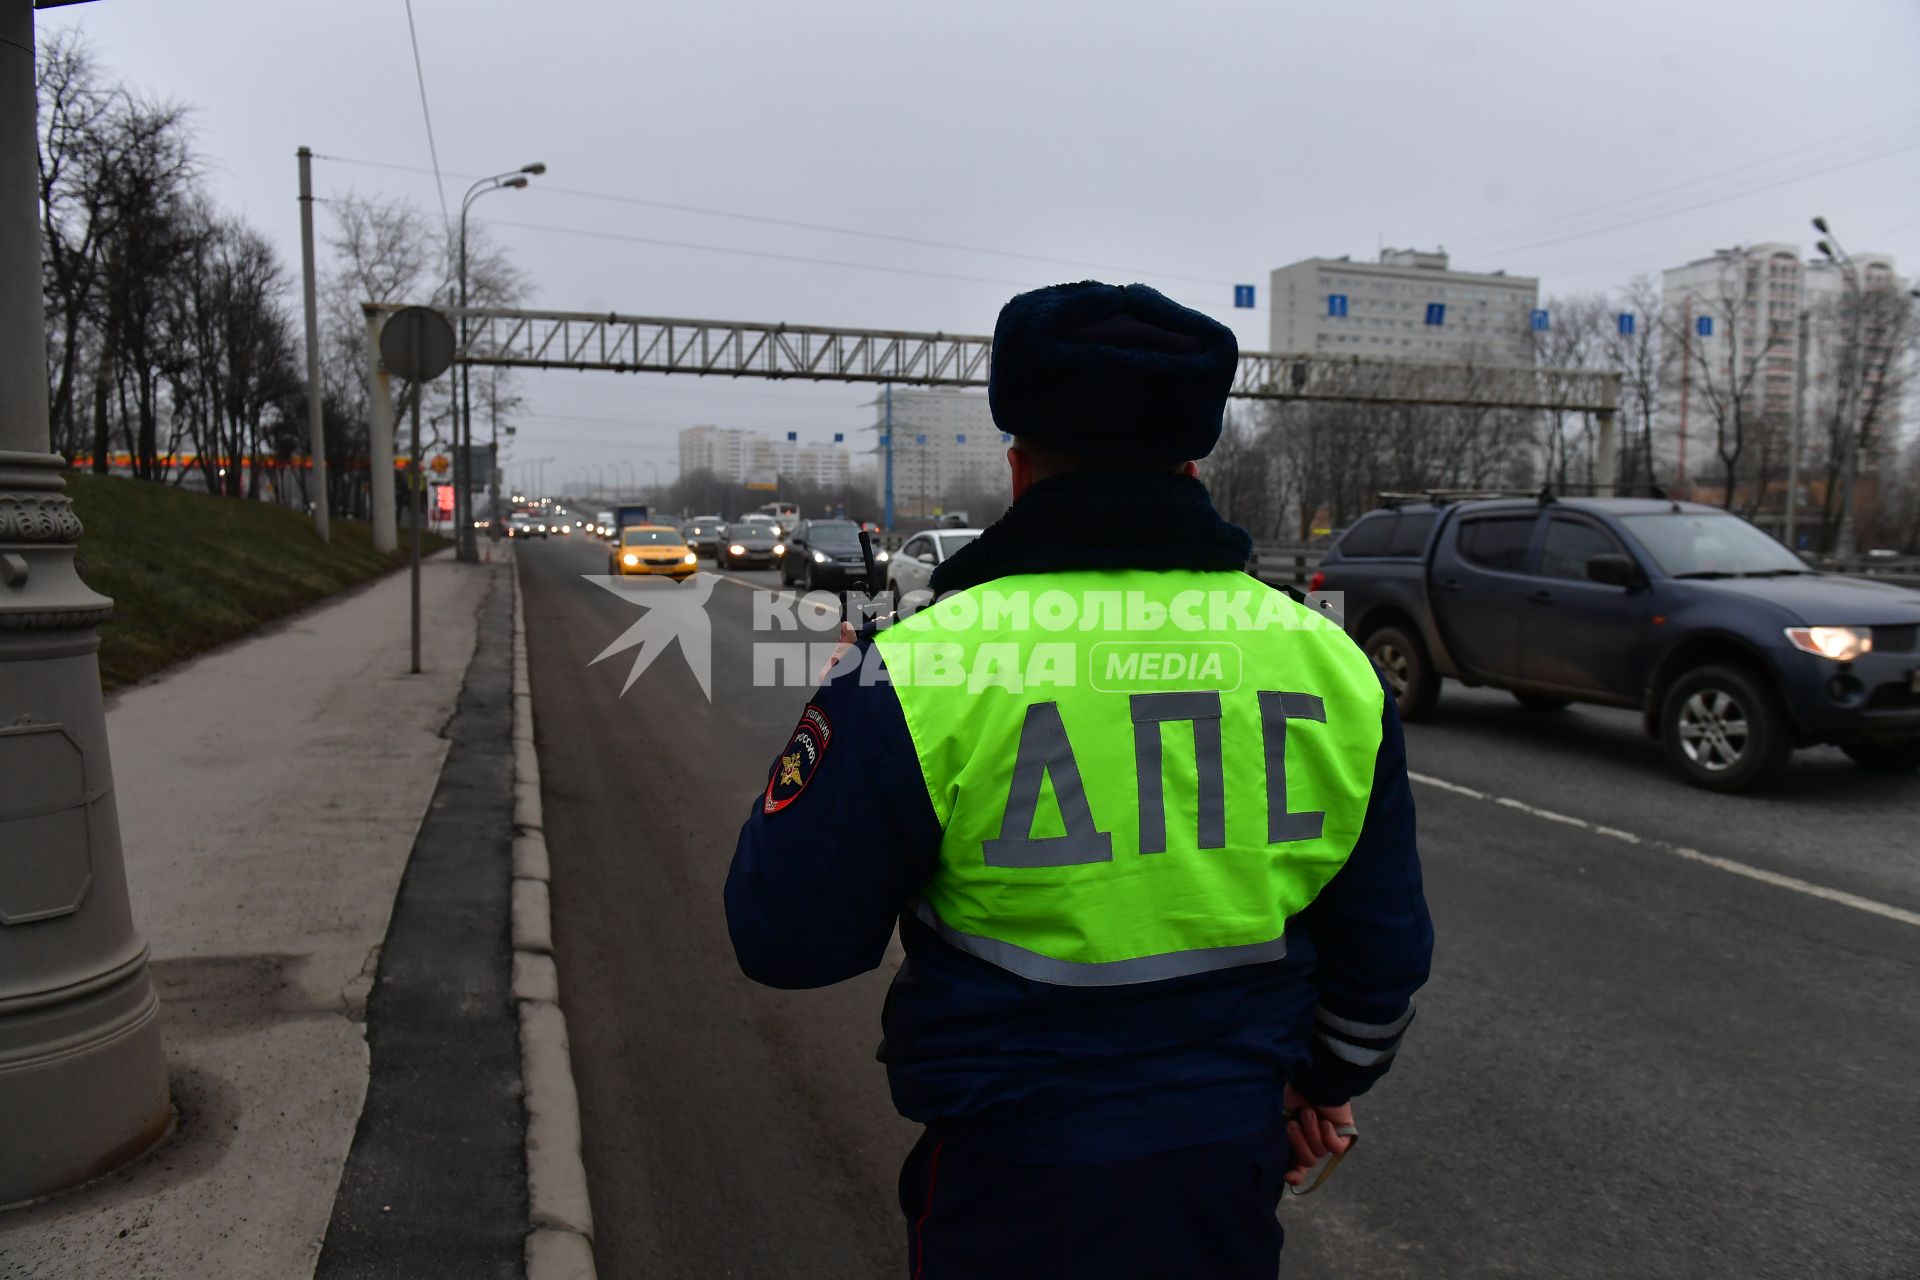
(1068,1074)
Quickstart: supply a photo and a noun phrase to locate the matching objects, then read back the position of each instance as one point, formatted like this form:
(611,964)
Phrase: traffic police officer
(1143,824)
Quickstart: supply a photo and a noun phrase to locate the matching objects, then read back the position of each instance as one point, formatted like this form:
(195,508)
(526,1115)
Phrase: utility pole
(1799,433)
(316,419)
(888,439)
(83,1086)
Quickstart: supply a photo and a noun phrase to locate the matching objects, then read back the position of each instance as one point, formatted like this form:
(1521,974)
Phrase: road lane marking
(1871,906)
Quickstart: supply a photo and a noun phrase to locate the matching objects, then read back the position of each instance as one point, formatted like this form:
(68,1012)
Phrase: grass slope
(188,572)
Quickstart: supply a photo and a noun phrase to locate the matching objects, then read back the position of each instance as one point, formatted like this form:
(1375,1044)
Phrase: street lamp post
(83,1086)
(466,549)
(1853,392)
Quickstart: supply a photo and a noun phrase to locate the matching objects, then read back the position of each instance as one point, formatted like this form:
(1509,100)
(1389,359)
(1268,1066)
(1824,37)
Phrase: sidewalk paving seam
(559,1243)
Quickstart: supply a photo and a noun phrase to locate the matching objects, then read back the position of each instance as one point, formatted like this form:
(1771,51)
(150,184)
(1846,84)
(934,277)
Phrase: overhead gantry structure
(614,343)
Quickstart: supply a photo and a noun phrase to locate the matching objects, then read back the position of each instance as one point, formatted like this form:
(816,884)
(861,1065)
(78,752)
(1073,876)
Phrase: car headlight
(779,549)
(736,550)
(691,559)
(629,558)
(819,557)
(1842,644)
(879,557)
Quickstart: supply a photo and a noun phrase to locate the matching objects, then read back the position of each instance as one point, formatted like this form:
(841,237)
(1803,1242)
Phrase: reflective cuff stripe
(1102,973)
(1364,1030)
(1354,1053)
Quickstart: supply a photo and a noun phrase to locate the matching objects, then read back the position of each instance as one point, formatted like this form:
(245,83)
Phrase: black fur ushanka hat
(1117,372)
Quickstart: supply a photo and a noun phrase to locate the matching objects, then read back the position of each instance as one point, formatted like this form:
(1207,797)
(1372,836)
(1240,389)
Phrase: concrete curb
(560,1216)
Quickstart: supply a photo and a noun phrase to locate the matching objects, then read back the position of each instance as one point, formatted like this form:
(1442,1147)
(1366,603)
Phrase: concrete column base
(83,1086)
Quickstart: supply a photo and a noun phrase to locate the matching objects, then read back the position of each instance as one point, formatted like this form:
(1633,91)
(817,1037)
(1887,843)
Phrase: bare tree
(1640,358)
(390,252)
(1888,335)
(1726,365)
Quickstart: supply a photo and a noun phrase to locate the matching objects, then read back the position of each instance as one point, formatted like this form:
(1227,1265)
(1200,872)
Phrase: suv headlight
(819,557)
(1842,644)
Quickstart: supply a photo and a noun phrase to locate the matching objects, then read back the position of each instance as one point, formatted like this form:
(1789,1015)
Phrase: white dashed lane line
(1869,905)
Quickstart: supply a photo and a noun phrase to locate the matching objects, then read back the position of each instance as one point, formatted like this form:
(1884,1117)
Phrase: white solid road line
(1869,905)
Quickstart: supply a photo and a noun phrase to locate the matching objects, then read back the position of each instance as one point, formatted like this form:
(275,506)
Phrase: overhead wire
(1676,211)
(426,112)
(799,224)
(623,237)
(1529,229)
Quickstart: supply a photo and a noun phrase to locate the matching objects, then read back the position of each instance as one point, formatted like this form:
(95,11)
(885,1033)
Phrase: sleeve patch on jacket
(799,760)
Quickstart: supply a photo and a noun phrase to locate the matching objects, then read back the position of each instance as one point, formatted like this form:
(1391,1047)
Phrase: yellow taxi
(652,549)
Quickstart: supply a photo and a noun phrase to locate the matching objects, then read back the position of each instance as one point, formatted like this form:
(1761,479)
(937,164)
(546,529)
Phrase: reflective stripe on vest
(1138,775)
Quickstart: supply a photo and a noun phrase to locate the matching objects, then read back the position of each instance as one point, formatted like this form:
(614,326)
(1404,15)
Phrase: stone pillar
(82,1084)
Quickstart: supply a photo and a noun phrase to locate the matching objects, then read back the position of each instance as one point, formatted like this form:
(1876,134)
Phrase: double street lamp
(467,548)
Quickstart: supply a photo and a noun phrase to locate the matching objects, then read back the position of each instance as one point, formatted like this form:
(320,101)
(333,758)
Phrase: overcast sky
(1191,145)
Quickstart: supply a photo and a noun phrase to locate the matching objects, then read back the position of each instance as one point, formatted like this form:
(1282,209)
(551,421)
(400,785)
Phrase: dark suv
(1731,647)
(825,553)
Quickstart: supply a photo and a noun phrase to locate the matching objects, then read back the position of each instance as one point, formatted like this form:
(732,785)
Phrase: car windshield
(1700,545)
(649,538)
(952,542)
(834,537)
(739,531)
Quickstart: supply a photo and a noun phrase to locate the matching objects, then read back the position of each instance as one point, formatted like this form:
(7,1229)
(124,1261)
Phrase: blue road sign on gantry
(1243,295)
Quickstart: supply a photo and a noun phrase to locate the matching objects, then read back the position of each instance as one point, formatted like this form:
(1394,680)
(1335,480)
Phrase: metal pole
(493,470)
(1799,431)
(888,521)
(83,1086)
(1843,547)
(464,548)
(316,418)
(380,441)
(416,491)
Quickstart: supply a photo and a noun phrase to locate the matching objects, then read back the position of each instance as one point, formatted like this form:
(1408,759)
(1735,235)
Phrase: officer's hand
(847,638)
(1310,1133)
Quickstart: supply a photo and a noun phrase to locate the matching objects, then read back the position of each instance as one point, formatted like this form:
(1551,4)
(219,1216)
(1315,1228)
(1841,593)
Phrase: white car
(909,569)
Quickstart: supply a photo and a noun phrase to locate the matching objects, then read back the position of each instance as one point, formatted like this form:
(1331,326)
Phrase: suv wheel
(1409,672)
(1885,757)
(1724,729)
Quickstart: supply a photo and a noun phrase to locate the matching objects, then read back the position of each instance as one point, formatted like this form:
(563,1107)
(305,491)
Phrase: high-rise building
(943,441)
(826,465)
(728,452)
(1737,316)
(1409,305)
(741,456)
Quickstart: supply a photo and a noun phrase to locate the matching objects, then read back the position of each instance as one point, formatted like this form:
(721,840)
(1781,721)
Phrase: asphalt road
(1631,1061)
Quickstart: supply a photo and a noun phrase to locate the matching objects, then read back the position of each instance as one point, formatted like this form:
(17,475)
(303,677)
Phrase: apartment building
(1409,305)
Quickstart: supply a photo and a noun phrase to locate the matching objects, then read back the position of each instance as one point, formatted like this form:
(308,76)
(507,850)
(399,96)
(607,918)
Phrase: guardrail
(1285,565)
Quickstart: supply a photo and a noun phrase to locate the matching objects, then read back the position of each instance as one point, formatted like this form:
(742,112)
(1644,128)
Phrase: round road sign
(416,343)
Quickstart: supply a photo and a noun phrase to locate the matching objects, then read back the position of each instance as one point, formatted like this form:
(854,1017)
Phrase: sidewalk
(269,795)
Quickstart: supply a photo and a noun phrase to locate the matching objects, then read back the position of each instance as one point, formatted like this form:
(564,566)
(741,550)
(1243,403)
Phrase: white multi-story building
(1737,315)
(826,465)
(1409,305)
(741,456)
(943,439)
(728,452)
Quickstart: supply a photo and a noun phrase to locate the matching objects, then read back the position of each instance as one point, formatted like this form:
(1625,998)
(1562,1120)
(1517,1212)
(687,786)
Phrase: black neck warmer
(1101,520)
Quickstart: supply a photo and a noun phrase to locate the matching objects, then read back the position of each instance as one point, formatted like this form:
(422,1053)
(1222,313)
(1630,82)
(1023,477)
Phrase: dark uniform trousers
(1199,1213)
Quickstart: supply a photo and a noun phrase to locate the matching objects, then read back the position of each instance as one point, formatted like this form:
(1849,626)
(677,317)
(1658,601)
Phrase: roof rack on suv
(1441,497)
